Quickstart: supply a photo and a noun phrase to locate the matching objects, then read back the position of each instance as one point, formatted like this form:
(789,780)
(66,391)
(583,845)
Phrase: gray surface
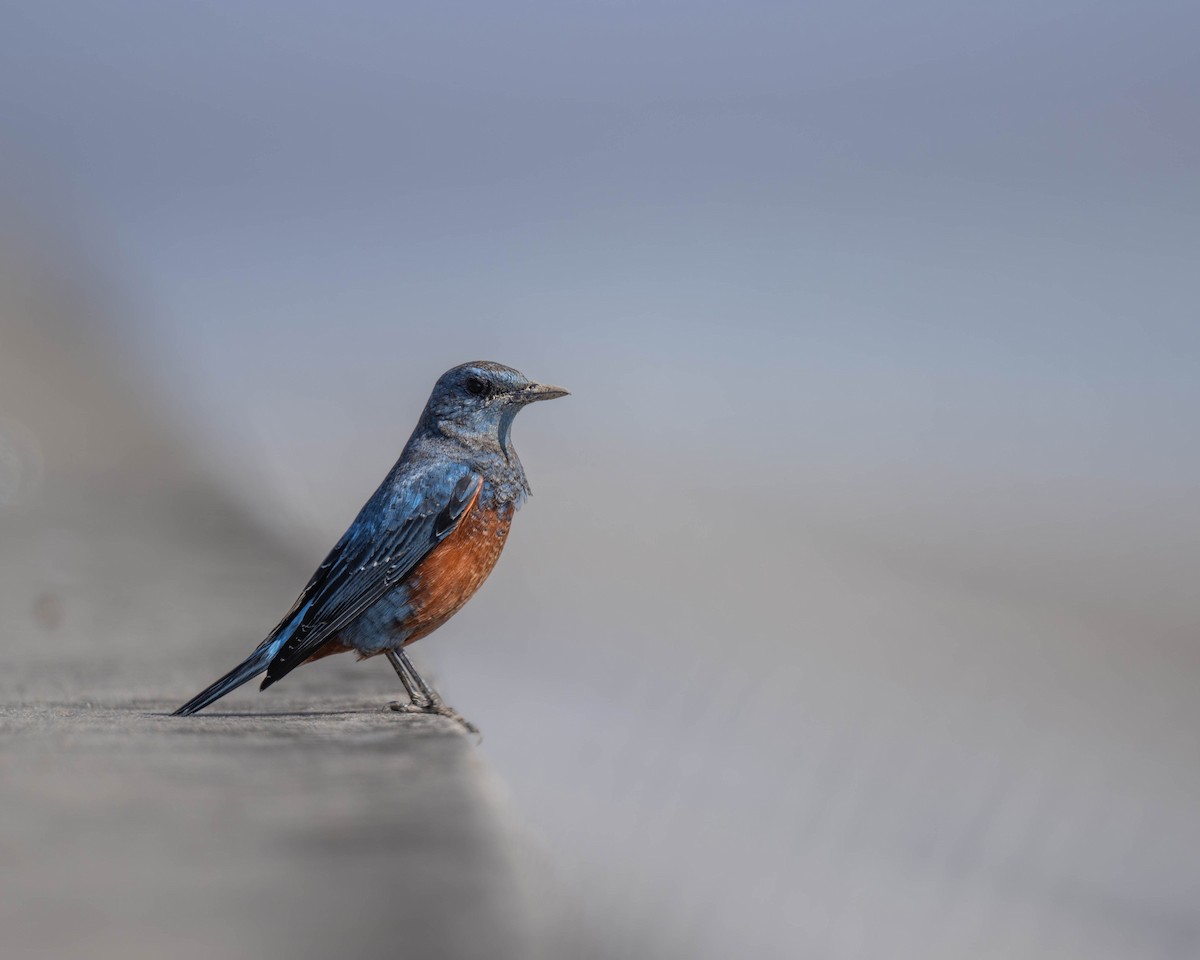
(306,822)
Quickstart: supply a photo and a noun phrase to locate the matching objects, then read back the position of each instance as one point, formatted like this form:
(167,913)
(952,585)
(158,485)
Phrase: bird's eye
(476,387)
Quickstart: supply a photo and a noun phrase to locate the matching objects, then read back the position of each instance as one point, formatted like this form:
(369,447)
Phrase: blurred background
(854,614)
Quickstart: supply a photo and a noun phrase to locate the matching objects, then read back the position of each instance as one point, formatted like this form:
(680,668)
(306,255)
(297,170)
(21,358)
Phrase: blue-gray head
(477,401)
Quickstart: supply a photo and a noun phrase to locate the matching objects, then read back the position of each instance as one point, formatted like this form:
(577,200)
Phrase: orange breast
(451,573)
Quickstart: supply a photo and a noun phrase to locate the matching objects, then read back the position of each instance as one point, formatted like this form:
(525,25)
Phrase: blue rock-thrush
(422,545)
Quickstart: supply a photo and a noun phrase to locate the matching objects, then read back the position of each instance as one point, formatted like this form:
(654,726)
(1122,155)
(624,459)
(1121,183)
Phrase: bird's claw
(436,710)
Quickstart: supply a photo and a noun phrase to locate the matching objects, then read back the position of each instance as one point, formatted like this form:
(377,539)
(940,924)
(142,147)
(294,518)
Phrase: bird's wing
(393,533)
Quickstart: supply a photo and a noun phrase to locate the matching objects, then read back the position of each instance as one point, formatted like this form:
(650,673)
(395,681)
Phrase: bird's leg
(412,681)
(427,691)
(422,698)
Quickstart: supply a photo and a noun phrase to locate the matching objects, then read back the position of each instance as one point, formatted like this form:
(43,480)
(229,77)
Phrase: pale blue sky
(863,208)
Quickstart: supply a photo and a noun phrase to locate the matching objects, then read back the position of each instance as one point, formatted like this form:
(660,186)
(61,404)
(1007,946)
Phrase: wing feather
(393,533)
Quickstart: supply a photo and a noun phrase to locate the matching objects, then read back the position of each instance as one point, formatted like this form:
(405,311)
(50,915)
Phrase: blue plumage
(459,454)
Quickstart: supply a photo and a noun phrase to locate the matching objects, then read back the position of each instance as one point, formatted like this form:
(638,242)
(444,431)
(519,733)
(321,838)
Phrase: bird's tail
(249,668)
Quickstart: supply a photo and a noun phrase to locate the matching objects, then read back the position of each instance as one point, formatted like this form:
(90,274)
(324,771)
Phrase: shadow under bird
(419,548)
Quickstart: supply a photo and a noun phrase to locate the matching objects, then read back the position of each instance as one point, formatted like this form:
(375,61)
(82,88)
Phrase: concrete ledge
(315,835)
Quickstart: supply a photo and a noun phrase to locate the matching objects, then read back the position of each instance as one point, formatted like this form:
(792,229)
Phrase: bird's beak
(542,391)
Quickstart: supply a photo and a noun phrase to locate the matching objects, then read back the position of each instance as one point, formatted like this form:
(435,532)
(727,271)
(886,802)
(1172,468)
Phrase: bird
(421,546)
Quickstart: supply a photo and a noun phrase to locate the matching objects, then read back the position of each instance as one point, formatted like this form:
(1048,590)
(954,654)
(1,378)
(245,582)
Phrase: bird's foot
(434,708)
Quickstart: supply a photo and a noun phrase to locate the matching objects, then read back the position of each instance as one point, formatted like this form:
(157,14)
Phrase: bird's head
(479,400)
